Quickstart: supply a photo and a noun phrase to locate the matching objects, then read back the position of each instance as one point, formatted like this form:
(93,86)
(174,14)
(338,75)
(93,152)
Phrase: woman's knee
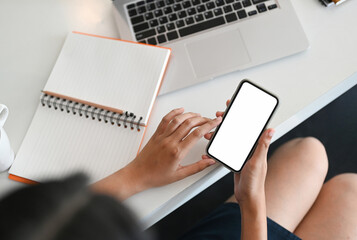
(343,185)
(333,215)
(313,154)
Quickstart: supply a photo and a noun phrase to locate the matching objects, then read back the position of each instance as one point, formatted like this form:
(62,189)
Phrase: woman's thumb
(263,144)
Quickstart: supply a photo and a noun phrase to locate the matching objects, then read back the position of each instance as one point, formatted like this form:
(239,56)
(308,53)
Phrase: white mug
(6,153)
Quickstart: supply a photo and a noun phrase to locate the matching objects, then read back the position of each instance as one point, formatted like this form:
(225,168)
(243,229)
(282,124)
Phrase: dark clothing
(225,223)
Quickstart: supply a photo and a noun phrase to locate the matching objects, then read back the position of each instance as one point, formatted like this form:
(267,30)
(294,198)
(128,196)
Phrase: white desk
(33,33)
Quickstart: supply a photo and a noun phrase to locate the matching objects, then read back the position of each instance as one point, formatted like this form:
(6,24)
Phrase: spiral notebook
(93,111)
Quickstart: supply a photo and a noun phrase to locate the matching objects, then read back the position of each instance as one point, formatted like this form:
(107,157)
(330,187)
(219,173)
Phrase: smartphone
(243,122)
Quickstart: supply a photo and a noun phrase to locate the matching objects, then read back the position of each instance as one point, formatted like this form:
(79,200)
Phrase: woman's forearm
(121,184)
(254,221)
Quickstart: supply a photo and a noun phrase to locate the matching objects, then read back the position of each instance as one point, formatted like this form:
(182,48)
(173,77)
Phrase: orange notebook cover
(93,112)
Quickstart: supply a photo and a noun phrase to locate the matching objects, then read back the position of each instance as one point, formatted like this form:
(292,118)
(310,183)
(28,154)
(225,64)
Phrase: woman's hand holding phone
(249,183)
(249,189)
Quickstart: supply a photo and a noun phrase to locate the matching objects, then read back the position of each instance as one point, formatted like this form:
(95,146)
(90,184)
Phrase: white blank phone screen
(242,125)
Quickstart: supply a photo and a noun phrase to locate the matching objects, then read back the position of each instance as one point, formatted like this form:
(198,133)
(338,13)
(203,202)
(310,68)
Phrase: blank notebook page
(59,143)
(111,73)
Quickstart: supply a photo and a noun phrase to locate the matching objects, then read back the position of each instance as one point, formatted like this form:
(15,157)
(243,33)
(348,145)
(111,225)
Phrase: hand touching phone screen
(244,120)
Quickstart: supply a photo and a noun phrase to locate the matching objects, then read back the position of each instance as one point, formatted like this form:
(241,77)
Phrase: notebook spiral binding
(94,113)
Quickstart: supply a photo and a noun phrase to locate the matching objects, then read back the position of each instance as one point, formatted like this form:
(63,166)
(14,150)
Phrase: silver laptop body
(200,53)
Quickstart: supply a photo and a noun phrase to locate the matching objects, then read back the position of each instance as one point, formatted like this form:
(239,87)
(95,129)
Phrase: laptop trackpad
(217,53)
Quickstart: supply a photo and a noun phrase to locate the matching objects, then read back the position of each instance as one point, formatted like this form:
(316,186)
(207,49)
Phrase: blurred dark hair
(65,210)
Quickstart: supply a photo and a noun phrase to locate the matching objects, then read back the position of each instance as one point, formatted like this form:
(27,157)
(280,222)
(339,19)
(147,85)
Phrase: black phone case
(224,115)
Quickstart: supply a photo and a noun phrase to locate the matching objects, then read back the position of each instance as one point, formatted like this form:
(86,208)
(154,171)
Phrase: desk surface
(33,33)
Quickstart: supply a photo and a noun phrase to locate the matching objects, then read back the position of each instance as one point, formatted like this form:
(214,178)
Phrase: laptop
(209,38)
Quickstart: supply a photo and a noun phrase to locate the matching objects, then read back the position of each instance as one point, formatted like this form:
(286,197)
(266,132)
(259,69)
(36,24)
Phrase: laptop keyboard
(160,21)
